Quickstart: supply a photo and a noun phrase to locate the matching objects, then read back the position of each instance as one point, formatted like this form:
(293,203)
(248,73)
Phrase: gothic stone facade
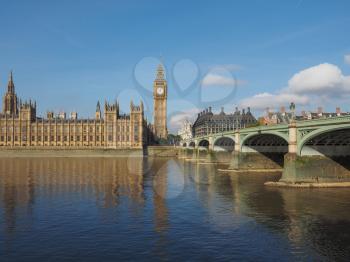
(20,126)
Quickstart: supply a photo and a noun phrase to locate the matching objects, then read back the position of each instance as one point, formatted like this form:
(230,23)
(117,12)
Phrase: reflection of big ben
(160,99)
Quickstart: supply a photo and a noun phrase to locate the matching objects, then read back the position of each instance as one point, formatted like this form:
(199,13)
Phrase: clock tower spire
(160,92)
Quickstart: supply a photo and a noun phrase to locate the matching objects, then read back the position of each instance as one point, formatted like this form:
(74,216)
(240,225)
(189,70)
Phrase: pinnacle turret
(11,85)
(160,72)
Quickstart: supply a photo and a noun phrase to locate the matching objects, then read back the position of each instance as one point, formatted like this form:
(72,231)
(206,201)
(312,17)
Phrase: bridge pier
(315,169)
(255,161)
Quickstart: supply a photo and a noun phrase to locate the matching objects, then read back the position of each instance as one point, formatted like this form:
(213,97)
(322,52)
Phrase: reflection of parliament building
(21,127)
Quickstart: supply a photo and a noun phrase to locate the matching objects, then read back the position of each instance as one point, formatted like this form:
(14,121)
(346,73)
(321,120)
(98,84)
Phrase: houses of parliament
(109,129)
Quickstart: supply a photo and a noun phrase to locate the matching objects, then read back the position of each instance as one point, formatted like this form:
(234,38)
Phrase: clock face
(160,91)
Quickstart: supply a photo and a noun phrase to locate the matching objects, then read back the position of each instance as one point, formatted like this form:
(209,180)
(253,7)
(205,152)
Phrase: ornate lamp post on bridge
(292,143)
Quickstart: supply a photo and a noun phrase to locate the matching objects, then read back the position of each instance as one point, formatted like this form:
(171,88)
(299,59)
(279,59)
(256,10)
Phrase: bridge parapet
(296,134)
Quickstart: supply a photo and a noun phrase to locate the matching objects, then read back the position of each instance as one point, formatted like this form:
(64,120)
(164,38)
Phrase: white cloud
(347,59)
(320,79)
(178,118)
(218,80)
(264,100)
(312,85)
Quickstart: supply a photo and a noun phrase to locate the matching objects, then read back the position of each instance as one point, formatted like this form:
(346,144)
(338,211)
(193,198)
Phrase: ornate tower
(10,101)
(111,114)
(98,111)
(160,104)
(27,110)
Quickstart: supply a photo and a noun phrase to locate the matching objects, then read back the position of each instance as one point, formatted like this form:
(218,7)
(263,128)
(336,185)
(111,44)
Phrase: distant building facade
(273,118)
(21,127)
(283,117)
(321,114)
(185,132)
(209,123)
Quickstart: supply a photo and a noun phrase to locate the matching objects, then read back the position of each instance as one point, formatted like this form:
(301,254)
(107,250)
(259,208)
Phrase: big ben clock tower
(160,104)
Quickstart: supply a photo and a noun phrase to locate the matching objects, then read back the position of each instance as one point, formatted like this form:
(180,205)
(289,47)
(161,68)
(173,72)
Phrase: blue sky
(69,54)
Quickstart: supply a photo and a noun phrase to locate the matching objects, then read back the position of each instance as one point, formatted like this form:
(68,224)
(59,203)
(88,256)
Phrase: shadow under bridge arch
(224,143)
(269,146)
(332,143)
(203,144)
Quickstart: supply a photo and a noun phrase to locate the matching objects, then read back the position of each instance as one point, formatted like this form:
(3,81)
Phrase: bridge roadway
(310,151)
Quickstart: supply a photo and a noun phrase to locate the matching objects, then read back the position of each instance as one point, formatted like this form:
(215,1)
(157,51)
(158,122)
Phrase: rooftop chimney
(319,110)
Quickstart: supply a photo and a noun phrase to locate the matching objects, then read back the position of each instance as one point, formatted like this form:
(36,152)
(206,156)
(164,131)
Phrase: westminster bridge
(306,151)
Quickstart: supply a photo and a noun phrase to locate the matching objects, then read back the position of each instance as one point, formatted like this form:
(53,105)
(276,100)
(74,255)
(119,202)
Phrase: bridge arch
(267,149)
(184,144)
(224,143)
(204,143)
(271,142)
(334,141)
(192,144)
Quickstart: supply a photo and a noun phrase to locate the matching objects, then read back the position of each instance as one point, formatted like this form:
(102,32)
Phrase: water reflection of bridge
(307,220)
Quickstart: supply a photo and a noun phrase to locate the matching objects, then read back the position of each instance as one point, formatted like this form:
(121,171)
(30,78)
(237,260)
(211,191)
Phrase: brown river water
(145,209)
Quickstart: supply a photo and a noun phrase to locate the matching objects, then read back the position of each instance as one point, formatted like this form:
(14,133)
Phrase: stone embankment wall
(152,151)
(14,152)
(162,151)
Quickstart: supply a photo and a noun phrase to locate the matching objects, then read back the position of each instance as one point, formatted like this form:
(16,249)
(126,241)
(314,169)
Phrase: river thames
(110,209)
